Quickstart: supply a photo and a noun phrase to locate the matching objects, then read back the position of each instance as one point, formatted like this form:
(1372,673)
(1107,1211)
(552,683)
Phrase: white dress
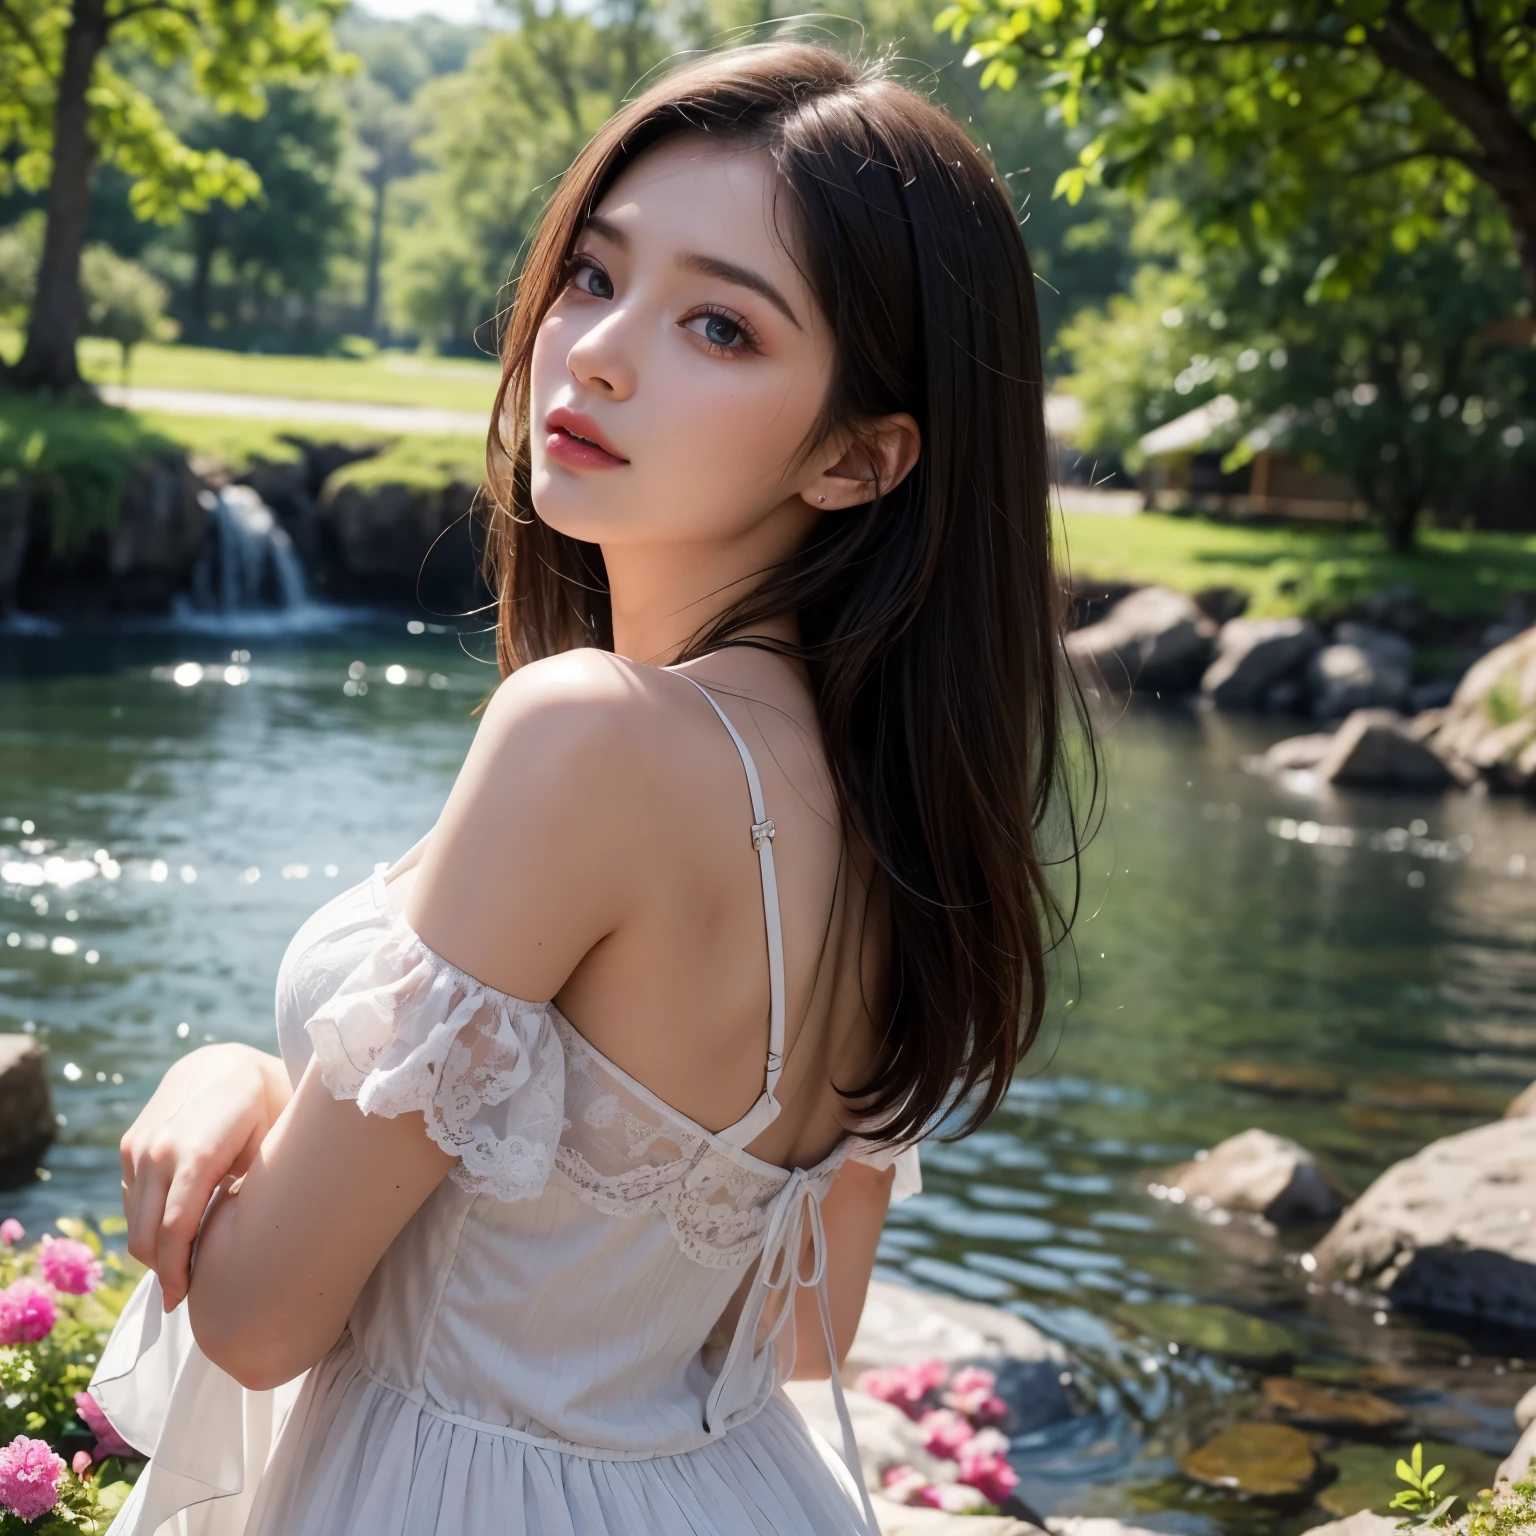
(537,1354)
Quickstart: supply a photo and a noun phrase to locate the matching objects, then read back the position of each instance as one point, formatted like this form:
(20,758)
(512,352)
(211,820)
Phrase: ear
(879,457)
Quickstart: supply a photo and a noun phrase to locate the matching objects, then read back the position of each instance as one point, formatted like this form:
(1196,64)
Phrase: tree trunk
(1402,516)
(49,362)
(375,252)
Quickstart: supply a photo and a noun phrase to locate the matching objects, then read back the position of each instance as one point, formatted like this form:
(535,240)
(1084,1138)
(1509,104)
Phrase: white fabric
(540,1353)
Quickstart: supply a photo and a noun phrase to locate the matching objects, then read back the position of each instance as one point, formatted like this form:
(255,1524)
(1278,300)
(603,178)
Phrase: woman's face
(681,370)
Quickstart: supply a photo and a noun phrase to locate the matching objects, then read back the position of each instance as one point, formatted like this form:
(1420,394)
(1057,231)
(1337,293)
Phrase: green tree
(1410,389)
(1413,105)
(123,302)
(279,243)
(66,106)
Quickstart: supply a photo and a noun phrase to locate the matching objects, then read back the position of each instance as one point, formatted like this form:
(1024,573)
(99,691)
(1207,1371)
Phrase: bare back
(674,985)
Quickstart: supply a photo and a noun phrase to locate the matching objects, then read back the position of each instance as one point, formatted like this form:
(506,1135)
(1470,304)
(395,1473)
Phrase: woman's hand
(203,1125)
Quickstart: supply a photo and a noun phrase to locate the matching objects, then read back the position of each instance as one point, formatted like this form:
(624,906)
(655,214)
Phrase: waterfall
(248,562)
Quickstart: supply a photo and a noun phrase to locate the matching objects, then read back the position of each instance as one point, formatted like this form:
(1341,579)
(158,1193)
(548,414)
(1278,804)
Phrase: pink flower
(11,1231)
(904,1386)
(81,1464)
(27,1313)
(971,1393)
(69,1266)
(986,1468)
(29,1477)
(108,1441)
(946,1432)
(904,1484)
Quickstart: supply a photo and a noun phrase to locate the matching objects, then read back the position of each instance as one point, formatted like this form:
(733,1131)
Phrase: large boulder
(1523,1103)
(1154,639)
(1525,1411)
(1252,655)
(1490,723)
(1375,748)
(1452,1228)
(26,1111)
(1258,1173)
(1364,668)
(1365,1522)
(1518,1462)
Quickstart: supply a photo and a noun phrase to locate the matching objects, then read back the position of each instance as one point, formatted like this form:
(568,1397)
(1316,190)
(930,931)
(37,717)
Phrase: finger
(143,1206)
(186,1201)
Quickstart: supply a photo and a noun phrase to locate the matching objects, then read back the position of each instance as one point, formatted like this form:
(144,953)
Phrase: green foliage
(77,455)
(1406,107)
(123,302)
(1313,569)
(231,53)
(1502,1512)
(21,248)
(1407,389)
(1419,1497)
(423,463)
(38,1383)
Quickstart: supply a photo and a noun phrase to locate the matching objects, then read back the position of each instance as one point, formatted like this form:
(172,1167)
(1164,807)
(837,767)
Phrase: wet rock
(1215,1329)
(1154,639)
(1525,1410)
(1490,724)
(902,1325)
(1372,749)
(397,542)
(1451,1228)
(1363,1522)
(1256,1461)
(1279,1082)
(1518,1462)
(1366,1477)
(1253,655)
(26,1110)
(1320,1407)
(1364,668)
(1257,1172)
(1524,1103)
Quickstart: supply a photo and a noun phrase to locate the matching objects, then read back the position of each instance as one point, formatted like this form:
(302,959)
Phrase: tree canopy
(1411,107)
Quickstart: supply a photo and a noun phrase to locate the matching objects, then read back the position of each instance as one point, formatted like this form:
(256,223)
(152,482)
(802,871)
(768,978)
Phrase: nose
(601,359)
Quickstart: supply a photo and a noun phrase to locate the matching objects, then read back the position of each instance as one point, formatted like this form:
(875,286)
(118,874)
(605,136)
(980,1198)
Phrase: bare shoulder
(561,808)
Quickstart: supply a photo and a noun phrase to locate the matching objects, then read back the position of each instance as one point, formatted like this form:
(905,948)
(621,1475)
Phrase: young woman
(589,1110)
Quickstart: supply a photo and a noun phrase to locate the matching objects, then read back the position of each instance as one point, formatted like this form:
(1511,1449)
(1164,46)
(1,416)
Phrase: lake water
(162,834)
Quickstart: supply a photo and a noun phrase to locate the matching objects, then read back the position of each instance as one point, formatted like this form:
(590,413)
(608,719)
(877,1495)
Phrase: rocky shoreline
(1380,726)
(939,1387)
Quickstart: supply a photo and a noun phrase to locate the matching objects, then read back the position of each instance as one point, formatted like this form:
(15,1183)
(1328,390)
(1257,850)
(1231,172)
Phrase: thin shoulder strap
(765,1111)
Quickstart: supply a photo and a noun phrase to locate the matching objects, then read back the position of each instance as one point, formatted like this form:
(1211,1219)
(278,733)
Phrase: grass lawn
(1301,568)
(389,378)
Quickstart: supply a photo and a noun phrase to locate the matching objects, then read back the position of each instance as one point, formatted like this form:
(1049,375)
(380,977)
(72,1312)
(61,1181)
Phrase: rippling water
(162,834)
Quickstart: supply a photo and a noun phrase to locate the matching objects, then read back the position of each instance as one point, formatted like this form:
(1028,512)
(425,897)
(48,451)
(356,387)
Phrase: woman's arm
(282,1260)
(203,1124)
(853,1213)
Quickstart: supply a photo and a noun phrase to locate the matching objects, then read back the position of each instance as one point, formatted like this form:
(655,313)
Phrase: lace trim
(408,1032)
(514,1092)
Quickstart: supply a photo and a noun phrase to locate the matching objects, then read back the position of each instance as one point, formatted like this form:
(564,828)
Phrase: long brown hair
(930,619)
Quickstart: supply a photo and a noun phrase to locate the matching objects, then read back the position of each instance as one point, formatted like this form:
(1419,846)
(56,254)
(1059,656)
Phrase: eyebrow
(708,266)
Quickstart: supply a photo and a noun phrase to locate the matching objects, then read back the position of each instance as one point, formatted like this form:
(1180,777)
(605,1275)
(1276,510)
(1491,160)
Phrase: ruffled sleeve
(909,1171)
(407,1032)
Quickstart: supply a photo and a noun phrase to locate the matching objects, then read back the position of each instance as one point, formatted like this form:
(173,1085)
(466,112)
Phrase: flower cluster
(62,1465)
(959,1415)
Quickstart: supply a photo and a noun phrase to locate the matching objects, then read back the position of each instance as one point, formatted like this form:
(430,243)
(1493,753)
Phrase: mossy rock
(1214,1329)
(1327,1407)
(1366,1475)
(1256,1461)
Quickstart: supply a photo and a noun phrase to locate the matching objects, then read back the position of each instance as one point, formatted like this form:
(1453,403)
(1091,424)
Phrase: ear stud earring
(821,499)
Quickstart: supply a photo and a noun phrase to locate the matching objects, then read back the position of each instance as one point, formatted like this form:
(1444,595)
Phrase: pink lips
(577,442)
